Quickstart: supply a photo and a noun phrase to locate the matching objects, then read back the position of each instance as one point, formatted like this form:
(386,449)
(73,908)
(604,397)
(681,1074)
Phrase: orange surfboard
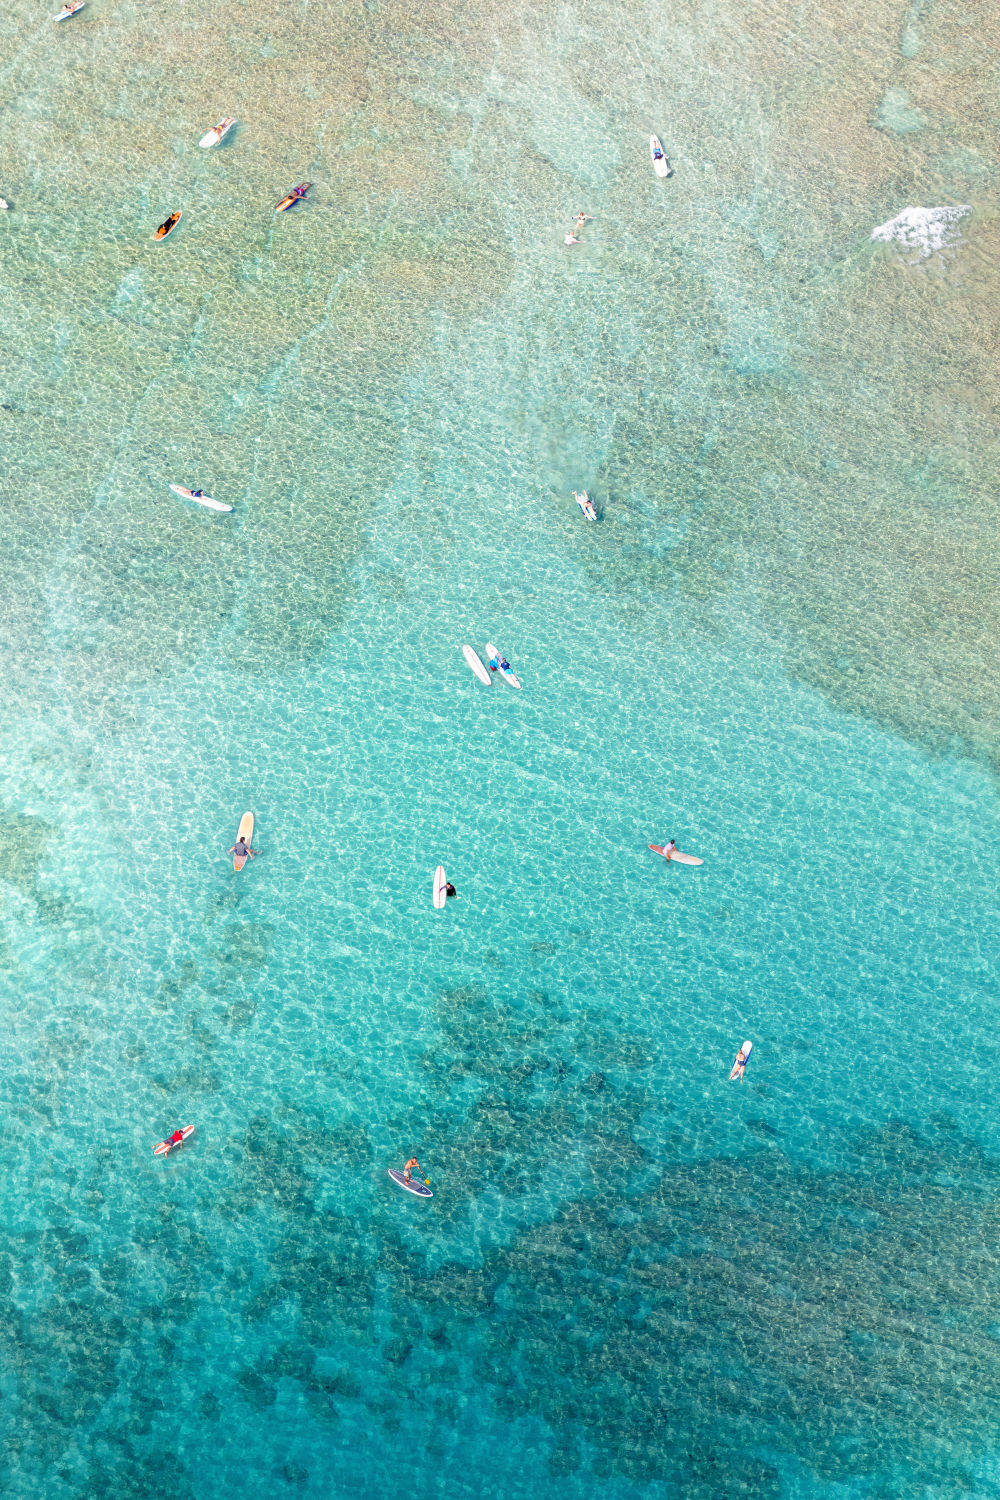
(244,832)
(169,224)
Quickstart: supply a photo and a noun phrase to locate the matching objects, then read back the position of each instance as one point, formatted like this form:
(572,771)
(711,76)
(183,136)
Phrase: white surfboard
(218,132)
(476,665)
(70,10)
(746,1049)
(205,500)
(505,672)
(585,503)
(165,1147)
(440,885)
(676,857)
(661,166)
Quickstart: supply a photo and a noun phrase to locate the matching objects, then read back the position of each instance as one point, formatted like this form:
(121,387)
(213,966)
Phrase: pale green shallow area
(778,646)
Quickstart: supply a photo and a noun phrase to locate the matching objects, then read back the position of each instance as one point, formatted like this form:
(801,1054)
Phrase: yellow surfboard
(244,832)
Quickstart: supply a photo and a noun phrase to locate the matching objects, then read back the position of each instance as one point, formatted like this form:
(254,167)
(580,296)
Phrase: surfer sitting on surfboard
(411,1166)
(242,850)
(500,662)
(668,848)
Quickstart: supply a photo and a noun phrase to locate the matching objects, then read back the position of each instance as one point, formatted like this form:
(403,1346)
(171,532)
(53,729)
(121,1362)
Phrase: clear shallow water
(634,1279)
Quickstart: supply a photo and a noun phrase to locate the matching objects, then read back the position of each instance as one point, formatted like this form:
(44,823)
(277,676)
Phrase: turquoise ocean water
(777,646)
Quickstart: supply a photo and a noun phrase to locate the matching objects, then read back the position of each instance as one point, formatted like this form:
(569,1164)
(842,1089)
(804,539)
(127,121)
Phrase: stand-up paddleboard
(746,1049)
(675,856)
(505,672)
(661,166)
(169,225)
(218,132)
(70,10)
(205,500)
(473,660)
(165,1147)
(295,196)
(585,503)
(440,884)
(244,832)
(415,1184)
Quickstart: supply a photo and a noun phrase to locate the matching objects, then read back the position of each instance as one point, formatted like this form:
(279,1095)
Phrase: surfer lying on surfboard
(742,1058)
(164,1148)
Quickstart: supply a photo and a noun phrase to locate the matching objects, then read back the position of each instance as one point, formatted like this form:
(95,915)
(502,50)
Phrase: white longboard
(473,661)
(505,673)
(244,832)
(440,884)
(676,857)
(205,500)
(746,1049)
(218,132)
(661,166)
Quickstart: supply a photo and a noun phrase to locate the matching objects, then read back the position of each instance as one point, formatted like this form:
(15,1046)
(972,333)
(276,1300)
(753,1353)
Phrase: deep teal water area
(635,1279)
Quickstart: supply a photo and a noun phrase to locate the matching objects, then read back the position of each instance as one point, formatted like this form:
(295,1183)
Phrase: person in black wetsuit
(449,889)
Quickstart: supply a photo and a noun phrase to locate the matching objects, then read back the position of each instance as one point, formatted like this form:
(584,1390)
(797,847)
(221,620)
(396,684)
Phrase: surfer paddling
(173,1142)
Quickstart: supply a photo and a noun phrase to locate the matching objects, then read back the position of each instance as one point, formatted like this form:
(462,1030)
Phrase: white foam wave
(925,230)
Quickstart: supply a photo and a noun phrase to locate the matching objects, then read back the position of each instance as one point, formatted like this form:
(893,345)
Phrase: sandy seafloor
(778,645)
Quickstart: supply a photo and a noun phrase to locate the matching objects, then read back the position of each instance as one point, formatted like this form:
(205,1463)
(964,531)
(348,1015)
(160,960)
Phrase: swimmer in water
(739,1066)
(571,239)
(411,1166)
(449,889)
